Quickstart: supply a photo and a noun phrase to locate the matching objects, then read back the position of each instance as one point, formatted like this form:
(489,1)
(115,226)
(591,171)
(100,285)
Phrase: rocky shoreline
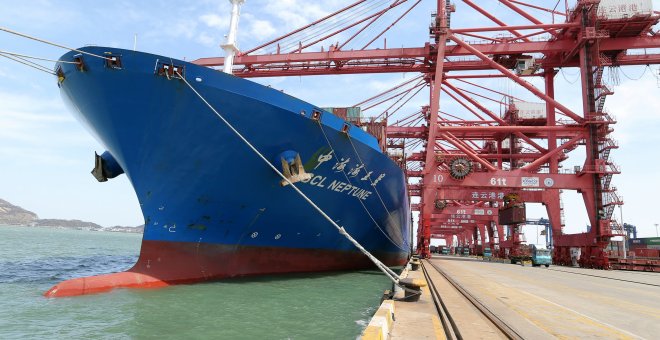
(14,215)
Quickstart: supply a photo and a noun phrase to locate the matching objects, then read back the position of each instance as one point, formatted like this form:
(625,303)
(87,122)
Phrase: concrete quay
(526,302)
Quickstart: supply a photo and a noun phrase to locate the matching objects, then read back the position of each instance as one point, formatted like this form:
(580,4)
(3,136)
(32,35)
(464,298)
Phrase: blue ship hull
(212,208)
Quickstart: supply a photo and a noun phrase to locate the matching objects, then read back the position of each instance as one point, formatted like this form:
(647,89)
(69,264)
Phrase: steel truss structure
(468,160)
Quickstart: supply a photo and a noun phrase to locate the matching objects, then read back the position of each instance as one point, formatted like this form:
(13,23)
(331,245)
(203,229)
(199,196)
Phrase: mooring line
(37,58)
(48,42)
(387,271)
(361,202)
(27,63)
(389,215)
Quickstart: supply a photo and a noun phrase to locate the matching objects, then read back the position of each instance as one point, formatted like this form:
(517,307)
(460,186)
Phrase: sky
(46,155)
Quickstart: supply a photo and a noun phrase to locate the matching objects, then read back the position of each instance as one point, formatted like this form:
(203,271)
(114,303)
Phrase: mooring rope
(364,166)
(387,271)
(27,63)
(36,58)
(48,42)
(351,183)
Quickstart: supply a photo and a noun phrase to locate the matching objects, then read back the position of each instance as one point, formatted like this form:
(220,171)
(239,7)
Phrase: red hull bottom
(165,263)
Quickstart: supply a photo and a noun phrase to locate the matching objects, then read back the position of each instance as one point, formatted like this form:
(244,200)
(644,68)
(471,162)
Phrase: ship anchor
(294,171)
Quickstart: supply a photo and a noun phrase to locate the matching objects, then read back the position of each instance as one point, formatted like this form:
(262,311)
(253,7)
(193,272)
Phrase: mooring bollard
(414,264)
(413,289)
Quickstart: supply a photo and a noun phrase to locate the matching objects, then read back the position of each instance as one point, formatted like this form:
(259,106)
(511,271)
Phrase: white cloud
(215,21)
(30,123)
(207,40)
(262,29)
(633,99)
(294,13)
(42,14)
(183,28)
(636,109)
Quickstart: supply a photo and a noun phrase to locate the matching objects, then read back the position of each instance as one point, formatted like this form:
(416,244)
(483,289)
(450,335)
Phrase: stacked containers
(350,114)
(337,111)
(353,115)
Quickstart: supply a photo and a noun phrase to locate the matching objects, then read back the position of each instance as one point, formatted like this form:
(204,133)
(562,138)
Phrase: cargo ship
(212,208)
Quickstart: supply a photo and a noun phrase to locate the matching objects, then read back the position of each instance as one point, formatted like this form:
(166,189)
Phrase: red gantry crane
(480,153)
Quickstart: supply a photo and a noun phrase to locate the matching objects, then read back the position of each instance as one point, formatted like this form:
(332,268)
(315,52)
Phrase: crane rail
(452,331)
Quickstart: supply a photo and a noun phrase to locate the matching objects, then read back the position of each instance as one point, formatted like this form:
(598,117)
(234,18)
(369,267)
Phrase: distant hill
(74,224)
(14,215)
(120,229)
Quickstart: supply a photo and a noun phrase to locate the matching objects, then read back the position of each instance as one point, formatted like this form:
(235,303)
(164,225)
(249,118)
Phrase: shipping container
(515,214)
(529,110)
(645,252)
(622,9)
(506,142)
(337,111)
(354,112)
(644,243)
(615,248)
(376,129)
(350,114)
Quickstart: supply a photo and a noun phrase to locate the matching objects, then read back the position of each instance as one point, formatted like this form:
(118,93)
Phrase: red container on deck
(340,112)
(646,252)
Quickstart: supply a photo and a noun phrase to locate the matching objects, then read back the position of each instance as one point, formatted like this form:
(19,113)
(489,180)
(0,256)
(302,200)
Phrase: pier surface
(476,299)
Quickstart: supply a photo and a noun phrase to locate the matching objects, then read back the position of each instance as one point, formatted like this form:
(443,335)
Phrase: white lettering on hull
(339,186)
(343,187)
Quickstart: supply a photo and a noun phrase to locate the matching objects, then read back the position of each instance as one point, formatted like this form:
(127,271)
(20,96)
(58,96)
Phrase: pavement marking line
(437,328)
(615,302)
(415,320)
(596,321)
(652,312)
(546,325)
(560,319)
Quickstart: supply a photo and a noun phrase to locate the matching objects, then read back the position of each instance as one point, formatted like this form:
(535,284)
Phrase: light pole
(656,230)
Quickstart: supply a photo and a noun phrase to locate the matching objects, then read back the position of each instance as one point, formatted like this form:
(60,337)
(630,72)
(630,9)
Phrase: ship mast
(230,45)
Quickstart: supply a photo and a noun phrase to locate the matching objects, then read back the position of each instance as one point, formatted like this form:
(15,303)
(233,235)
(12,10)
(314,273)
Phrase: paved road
(563,302)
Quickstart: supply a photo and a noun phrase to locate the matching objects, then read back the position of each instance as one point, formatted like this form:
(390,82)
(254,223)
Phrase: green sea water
(316,306)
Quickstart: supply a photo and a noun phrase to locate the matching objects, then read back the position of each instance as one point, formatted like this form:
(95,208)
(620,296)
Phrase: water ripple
(56,269)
